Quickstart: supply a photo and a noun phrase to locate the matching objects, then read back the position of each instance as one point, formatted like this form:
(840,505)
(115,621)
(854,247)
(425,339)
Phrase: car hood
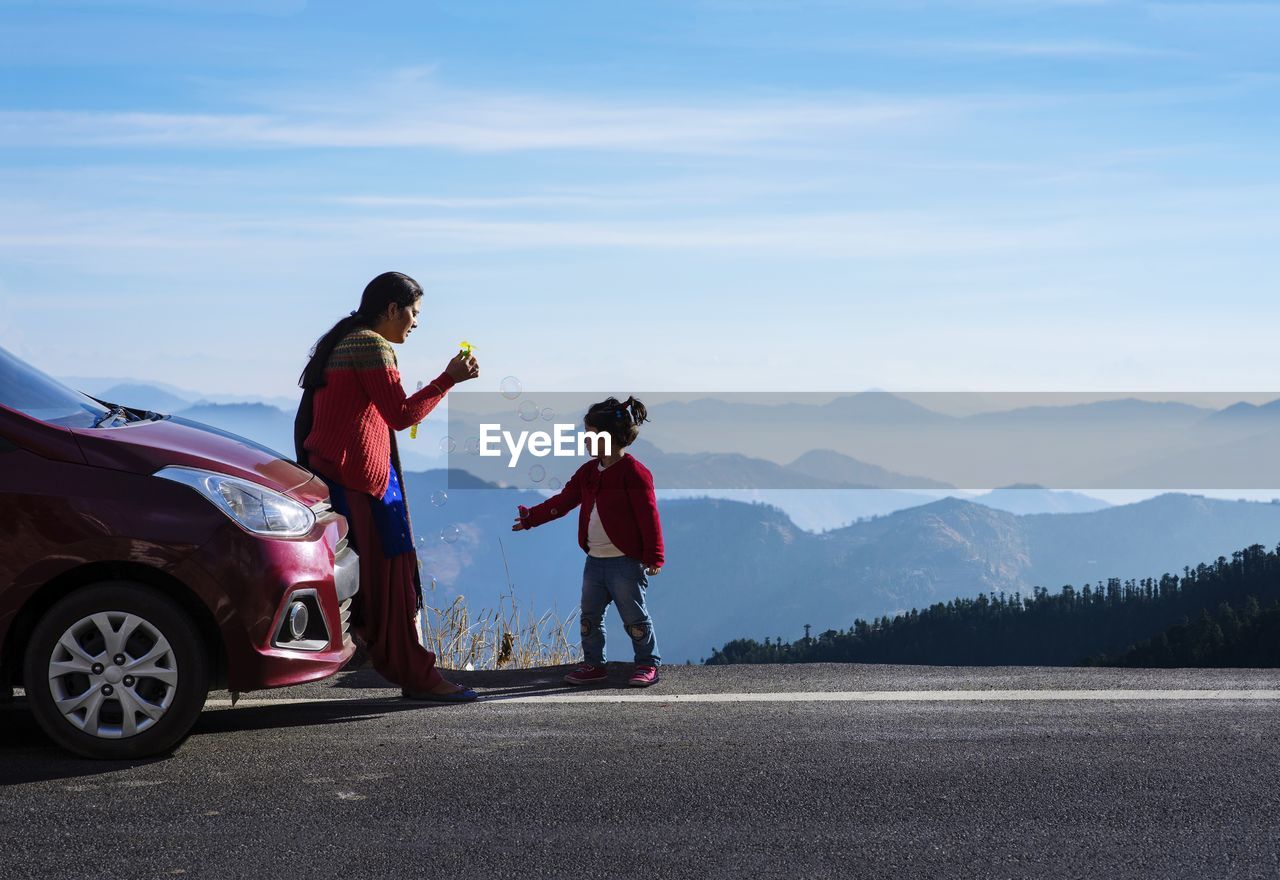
(145,447)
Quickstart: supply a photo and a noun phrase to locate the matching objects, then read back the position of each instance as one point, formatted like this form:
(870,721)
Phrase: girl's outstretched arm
(554,507)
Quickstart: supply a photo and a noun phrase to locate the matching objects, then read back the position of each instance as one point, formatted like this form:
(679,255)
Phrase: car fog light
(298,617)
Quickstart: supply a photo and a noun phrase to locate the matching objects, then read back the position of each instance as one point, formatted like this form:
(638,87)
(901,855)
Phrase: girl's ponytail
(639,415)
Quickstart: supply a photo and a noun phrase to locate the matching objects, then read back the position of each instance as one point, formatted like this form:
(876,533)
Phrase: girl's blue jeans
(622,580)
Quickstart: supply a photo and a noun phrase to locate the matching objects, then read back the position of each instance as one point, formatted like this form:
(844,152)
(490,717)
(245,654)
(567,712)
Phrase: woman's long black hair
(619,419)
(387,288)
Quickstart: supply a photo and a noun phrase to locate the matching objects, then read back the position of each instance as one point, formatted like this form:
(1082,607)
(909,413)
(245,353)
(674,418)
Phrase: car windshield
(27,390)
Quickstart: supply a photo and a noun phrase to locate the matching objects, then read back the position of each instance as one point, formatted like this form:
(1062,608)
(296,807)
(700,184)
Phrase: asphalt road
(345,780)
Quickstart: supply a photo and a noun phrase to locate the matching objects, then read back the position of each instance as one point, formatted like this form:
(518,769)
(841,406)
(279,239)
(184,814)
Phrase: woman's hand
(651,570)
(463,367)
(519,525)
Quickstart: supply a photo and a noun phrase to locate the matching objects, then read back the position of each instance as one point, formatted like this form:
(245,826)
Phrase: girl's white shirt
(598,542)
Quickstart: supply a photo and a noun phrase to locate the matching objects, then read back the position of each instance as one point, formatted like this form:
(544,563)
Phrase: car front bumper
(249,583)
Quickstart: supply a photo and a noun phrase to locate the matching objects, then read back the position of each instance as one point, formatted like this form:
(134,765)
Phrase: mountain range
(737,569)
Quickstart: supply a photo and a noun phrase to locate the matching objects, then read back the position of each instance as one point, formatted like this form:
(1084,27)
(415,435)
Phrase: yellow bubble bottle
(413,430)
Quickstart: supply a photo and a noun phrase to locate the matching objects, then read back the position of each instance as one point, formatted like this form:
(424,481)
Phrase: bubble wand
(464,349)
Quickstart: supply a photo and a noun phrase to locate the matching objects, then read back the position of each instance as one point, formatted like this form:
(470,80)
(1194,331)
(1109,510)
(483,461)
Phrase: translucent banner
(967,441)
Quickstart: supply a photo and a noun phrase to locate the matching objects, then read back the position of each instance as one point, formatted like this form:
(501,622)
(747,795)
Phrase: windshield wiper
(113,412)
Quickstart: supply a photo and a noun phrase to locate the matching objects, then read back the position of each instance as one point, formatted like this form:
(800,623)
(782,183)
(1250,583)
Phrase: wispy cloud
(791,6)
(1269,12)
(410,109)
(493,203)
(472,123)
(211,7)
(1068,49)
(1194,217)
(682,190)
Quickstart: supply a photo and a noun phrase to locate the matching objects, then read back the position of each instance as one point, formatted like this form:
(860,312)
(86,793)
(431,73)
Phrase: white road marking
(286,701)
(615,696)
(897,696)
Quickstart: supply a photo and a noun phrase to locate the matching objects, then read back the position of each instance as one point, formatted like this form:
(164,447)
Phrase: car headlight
(253,507)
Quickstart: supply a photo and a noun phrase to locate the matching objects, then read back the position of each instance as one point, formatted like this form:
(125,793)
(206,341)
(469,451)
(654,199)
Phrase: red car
(145,559)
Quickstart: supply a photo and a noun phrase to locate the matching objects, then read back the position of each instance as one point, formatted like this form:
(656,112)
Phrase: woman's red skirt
(384,609)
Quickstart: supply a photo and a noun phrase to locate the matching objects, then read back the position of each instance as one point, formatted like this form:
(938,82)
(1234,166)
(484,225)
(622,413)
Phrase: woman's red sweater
(360,404)
(628,507)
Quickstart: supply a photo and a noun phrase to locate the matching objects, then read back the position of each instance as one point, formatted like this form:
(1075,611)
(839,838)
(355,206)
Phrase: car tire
(116,671)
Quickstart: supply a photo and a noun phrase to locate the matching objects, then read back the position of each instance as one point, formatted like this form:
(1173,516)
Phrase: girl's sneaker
(644,676)
(586,673)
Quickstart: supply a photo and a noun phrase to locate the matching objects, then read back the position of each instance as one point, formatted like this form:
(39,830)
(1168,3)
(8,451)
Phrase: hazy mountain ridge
(1266,415)
(161,396)
(1025,498)
(827,464)
(1096,413)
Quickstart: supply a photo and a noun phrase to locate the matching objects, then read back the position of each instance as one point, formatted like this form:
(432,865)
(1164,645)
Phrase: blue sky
(719,195)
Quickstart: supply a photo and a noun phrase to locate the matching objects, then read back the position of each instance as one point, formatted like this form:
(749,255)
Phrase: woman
(352,405)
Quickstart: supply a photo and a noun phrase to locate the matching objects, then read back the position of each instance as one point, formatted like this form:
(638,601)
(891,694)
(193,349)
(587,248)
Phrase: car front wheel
(116,670)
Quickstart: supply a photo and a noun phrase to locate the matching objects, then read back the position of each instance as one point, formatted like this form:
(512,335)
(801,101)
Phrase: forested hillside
(1224,613)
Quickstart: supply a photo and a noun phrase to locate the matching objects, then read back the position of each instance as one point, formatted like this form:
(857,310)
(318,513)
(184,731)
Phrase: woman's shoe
(463,696)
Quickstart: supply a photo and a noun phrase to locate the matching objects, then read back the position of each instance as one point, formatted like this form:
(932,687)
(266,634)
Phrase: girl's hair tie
(354,312)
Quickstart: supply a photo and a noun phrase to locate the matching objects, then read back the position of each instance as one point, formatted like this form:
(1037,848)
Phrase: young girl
(618,528)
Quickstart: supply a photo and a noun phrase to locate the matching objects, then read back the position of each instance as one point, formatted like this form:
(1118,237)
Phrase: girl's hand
(651,570)
(463,367)
(519,525)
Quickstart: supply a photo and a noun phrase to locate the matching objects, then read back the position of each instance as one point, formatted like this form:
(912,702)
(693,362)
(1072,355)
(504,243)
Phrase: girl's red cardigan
(628,507)
(361,403)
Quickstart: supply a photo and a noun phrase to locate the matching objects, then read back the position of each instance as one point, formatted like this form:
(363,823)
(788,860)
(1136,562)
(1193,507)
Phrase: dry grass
(505,637)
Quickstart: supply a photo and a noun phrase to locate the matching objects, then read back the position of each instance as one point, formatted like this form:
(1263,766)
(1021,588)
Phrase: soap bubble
(472,446)
(439,498)
(511,388)
(450,534)
(448,444)
(528,410)
(537,473)
(548,414)
(554,484)
(554,511)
